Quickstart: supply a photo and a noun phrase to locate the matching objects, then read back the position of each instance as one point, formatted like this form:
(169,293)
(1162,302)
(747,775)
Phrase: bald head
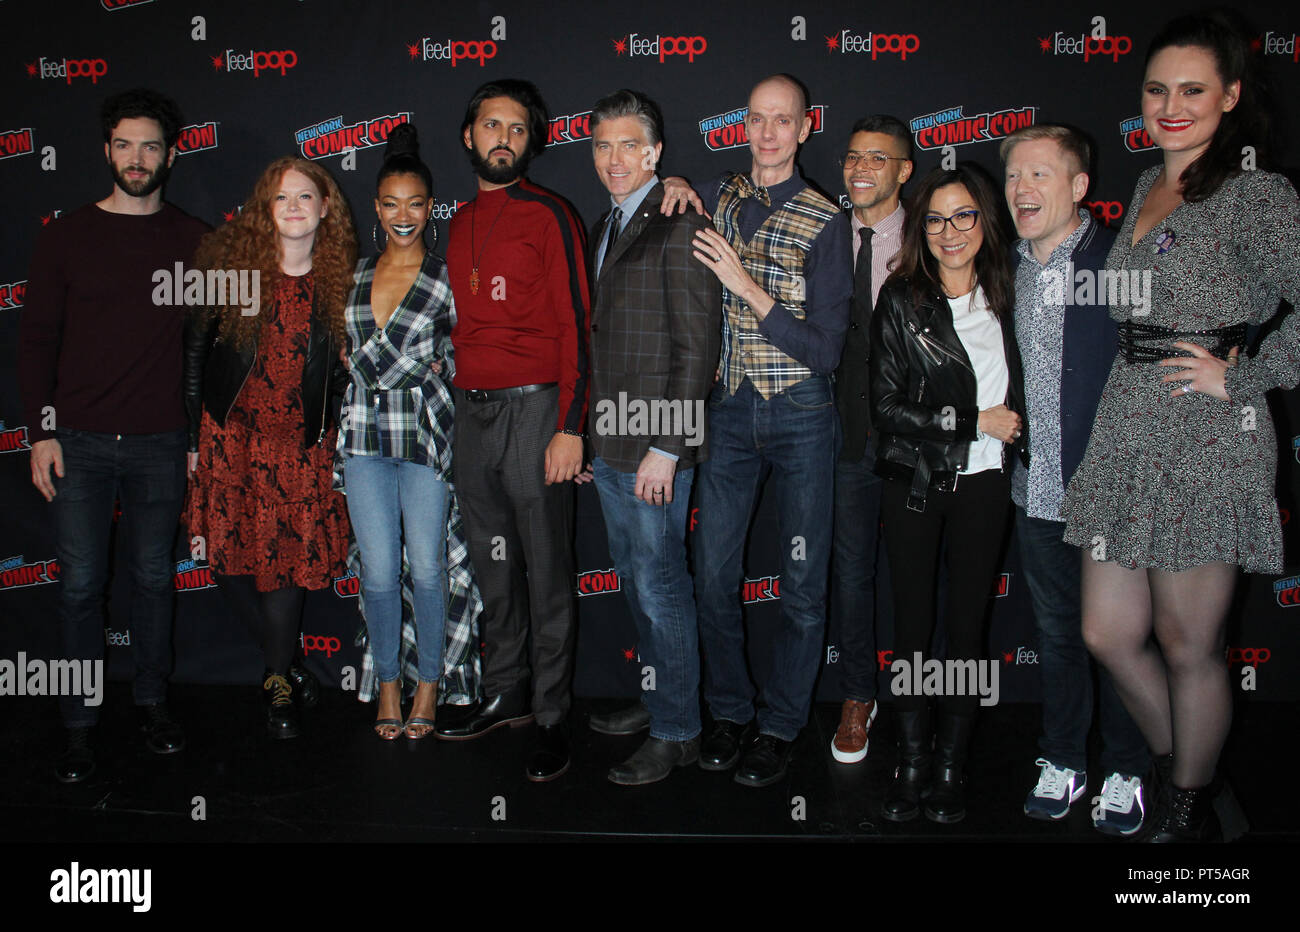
(785,84)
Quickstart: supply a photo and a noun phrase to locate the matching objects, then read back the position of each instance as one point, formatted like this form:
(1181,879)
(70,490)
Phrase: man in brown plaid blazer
(655,336)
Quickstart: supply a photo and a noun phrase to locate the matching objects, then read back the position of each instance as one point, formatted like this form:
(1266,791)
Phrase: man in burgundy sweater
(516,263)
(100,373)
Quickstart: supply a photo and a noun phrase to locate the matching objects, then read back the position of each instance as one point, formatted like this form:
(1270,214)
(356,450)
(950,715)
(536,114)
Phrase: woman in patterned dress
(1176,489)
(396,441)
(262,391)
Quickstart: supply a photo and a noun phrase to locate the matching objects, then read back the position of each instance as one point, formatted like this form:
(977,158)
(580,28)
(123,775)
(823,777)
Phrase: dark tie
(611,236)
(862,280)
(747,188)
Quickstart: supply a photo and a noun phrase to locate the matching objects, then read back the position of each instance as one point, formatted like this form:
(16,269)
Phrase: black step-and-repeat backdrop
(329,78)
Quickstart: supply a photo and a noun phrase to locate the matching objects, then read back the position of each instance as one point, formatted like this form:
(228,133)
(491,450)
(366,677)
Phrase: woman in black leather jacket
(263,381)
(947,402)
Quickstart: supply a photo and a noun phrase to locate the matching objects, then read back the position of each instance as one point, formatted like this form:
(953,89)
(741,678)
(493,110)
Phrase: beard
(493,172)
(145,186)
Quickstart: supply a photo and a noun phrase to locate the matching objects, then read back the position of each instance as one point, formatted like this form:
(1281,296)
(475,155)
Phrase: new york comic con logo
(636,44)
(16,573)
(333,137)
(573,127)
(597,582)
(14,142)
(13,439)
(1287,591)
(192,575)
(728,130)
(196,137)
(114,5)
(952,127)
(847,42)
(68,68)
(1135,135)
(12,294)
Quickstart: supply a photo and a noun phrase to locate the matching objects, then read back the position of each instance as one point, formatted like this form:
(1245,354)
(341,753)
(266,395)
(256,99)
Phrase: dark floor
(340,783)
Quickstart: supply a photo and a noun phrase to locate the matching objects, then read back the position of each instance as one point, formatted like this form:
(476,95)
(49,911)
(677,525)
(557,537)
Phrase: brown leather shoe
(850,744)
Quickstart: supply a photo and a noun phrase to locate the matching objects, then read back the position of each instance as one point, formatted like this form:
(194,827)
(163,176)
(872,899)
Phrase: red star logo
(1256,43)
(1007,657)
(620,45)
(32,69)
(229,215)
(45,221)
(218,63)
(1044,44)
(629,653)
(832,42)
(413,50)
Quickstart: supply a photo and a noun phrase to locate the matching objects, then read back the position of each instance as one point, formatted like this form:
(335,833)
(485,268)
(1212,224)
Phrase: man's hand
(677,195)
(654,479)
(563,458)
(716,253)
(46,453)
(588,474)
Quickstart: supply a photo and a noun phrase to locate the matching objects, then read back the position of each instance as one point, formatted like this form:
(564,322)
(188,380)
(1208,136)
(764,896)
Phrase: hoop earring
(374,237)
(430,226)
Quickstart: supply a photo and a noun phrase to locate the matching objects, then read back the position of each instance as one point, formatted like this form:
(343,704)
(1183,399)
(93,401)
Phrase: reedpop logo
(1277,43)
(68,68)
(1094,44)
(281,60)
(635,43)
(459,50)
(877,43)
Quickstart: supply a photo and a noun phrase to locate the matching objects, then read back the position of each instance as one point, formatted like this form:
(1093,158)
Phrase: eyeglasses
(873,160)
(961,221)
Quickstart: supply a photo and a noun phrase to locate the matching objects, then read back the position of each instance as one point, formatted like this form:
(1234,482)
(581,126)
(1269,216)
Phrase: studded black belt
(1149,343)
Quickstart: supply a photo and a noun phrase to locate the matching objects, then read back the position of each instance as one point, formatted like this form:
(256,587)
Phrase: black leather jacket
(923,392)
(215,372)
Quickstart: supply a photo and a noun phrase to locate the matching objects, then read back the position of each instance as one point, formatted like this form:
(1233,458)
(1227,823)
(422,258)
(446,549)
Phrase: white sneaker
(1120,809)
(1057,788)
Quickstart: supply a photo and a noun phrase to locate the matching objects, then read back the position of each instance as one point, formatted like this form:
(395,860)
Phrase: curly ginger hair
(251,241)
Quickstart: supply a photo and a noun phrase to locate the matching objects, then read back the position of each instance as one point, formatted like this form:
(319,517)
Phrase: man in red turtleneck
(516,263)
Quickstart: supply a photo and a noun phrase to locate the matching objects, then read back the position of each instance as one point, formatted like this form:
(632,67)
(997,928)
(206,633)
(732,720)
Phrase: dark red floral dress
(263,502)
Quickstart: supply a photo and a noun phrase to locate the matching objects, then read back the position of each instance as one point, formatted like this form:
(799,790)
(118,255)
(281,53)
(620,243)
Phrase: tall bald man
(781,251)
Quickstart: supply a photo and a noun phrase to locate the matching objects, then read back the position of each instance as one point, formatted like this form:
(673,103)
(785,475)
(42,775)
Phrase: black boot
(946,802)
(306,688)
(1186,815)
(281,711)
(903,798)
(1162,773)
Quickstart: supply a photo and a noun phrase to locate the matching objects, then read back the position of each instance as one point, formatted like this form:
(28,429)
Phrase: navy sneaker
(1057,788)
(1120,808)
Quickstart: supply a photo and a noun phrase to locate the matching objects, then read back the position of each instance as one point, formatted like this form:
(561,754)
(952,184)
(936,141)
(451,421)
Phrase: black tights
(273,618)
(1177,693)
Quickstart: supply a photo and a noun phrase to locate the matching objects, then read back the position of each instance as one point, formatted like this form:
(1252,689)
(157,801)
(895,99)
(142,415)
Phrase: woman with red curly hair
(262,389)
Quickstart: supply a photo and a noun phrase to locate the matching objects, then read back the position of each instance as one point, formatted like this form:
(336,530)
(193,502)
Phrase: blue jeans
(388,499)
(793,437)
(1052,575)
(147,473)
(853,601)
(648,544)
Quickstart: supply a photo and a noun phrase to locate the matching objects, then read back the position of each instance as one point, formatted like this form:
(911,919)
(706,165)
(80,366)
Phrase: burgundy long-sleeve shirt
(529,322)
(93,344)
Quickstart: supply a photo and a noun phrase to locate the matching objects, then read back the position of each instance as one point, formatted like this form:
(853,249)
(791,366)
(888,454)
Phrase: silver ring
(1187,389)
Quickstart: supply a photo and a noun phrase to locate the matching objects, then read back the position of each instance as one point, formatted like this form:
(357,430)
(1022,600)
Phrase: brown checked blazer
(656,333)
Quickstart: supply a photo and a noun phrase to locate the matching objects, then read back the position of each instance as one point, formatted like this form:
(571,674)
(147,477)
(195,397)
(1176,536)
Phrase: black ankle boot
(1186,815)
(281,710)
(903,798)
(946,802)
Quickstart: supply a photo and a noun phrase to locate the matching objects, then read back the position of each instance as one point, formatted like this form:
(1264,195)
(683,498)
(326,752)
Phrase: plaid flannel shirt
(774,259)
(396,405)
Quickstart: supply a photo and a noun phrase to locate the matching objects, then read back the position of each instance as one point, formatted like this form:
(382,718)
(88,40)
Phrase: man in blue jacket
(1067,342)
